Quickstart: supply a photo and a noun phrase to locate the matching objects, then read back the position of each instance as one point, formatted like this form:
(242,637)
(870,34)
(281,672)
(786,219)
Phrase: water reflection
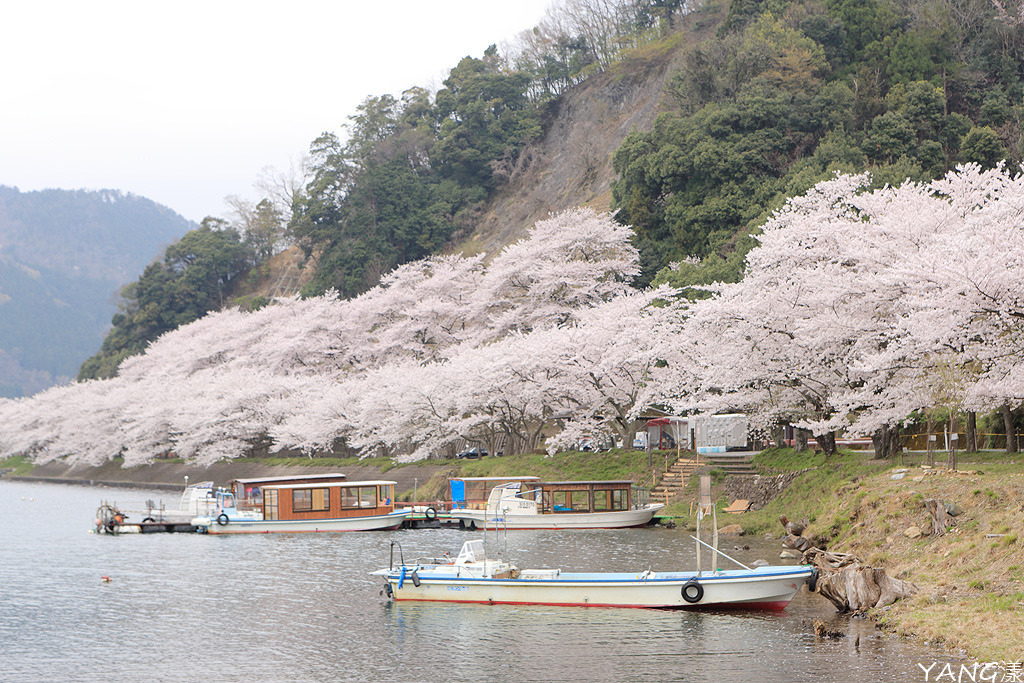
(304,608)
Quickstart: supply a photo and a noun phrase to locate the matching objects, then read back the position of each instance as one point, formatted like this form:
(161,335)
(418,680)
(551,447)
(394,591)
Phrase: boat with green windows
(532,504)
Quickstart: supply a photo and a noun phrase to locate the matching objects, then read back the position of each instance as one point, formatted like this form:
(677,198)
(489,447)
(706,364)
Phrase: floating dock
(429,517)
(111,520)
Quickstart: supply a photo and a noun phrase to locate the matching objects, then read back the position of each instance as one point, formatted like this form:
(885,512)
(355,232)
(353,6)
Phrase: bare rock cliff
(572,165)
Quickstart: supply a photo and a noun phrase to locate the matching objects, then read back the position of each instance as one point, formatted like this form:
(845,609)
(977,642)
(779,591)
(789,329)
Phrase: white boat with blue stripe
(473,578)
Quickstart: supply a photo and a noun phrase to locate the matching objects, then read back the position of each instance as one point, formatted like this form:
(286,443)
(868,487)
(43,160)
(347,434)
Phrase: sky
(188,102)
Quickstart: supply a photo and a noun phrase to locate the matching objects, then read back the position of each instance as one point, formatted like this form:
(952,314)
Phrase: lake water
(188,607)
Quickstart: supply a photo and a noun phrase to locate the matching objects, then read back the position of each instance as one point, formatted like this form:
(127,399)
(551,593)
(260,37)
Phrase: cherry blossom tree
(854,300)
(857,308)
(212,389)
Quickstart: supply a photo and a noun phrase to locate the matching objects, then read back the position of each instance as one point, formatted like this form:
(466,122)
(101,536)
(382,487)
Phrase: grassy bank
(617,464)
(970,580)
(17,466)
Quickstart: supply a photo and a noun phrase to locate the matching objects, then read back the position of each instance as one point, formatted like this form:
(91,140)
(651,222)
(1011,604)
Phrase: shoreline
(171,476)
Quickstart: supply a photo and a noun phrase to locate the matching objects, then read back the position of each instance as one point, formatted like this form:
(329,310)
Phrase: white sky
(186,102)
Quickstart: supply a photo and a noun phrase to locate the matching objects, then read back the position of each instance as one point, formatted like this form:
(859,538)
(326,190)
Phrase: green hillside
(786,93)
(763,100)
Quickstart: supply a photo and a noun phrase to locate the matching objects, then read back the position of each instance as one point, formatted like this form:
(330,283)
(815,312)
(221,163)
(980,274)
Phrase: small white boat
(560,505)
(303,504)
(473,578)
(196,499)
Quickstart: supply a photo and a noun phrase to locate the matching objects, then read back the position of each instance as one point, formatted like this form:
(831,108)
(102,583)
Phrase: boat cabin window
(311,500)
(613,499)
(570,501)
(387,494)
(479,490)
(359,497)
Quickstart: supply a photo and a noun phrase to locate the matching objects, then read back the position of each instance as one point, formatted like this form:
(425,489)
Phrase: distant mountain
(63,256)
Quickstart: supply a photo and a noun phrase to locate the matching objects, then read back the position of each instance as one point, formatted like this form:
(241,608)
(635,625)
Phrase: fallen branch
(828,561)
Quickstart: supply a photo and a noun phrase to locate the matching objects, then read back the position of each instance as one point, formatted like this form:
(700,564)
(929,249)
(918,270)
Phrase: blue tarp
(458,493)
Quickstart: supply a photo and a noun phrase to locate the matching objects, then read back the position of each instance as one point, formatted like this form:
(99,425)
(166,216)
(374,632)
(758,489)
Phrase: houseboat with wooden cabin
(561,505)
(312,503)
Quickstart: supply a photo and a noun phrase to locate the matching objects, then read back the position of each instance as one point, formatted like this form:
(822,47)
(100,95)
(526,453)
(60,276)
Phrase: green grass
(987,462)
(615,464)
(1010,602)
(821,495)
(618,464)
(19,465)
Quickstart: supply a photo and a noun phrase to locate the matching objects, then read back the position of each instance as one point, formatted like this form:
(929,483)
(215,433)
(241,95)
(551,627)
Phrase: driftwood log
(847,582)
(798,543)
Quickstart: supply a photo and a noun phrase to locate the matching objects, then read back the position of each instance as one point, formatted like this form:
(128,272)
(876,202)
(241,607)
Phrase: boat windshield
(472,551)
(225,499)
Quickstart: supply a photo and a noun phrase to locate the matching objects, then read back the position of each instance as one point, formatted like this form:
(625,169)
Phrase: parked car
(472,453)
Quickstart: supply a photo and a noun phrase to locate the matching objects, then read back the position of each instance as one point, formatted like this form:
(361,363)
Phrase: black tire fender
(692,591)
(812,580)
(148,519)
(415,578)
(430,514)
(222,519)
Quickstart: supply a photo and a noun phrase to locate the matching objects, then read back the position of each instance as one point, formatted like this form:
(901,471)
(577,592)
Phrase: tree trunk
(827,443)
(971,433)
(800,437)
(953,442)
(778,435)
(886,441)
(1011,432)
(930,448)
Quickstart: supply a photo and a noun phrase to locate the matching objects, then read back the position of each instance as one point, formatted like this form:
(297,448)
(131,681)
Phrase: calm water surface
(186,607)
